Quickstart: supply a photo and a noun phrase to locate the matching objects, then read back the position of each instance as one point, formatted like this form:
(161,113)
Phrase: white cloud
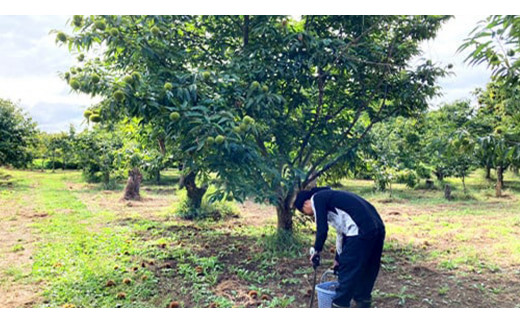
(31,90)
(48,101)
(443,51)
(31,61)
(29,49)
(55,117)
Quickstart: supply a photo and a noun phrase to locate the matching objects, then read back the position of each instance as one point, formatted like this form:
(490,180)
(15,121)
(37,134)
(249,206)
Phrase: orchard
(179,188)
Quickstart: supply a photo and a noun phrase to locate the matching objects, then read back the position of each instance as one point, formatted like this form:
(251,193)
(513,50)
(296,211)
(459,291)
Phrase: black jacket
(362,219)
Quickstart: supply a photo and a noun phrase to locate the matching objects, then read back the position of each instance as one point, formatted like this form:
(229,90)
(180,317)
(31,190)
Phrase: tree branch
(261,145)
(321,86)
(322,75)
(246,30)
(311,175)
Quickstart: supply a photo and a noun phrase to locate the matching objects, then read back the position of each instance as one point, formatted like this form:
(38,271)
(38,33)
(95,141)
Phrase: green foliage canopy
(266,102)
(17,135)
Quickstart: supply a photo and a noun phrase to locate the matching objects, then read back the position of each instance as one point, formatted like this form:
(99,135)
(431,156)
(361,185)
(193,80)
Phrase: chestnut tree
(267,103)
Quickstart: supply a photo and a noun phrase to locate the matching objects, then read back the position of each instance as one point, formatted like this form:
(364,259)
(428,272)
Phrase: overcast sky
(30,61)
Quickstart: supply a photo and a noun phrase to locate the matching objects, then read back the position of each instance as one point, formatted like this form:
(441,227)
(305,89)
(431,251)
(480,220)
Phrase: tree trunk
(106,179)
(158,177)
(133,185)
(498,189)
(464,184)
(488,172)
(312,184)
(195,193)
(500,182)
(285,212)
(500,177)
(439,174)
(162,146)
(285,218)
(447,192)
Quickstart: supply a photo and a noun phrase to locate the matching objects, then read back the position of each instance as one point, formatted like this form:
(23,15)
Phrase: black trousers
(359,265)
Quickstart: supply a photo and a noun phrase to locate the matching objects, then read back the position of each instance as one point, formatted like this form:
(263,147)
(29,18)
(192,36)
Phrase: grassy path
(82,256)
(17,215)
(77,253)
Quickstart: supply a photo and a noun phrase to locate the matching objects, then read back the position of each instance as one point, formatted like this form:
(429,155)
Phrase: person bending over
(359,242)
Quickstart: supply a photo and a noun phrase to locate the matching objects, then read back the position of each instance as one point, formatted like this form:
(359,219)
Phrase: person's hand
(315,259)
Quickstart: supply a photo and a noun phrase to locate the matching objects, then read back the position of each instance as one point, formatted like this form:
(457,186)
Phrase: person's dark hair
(306,195)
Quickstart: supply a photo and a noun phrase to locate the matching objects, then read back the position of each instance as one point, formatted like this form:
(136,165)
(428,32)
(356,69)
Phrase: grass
(79,251)
(402,296)
(480,233)
(16,273)
(443,290)
(90,244)
(17,248)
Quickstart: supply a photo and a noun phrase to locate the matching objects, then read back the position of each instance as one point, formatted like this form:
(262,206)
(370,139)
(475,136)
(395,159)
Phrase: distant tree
(496,42)
(446,129)
(69,156)
(460,154)
(97,151)
(18,135)
(395,152)
(158,151)
(56,150)
(499,129)
(144,149)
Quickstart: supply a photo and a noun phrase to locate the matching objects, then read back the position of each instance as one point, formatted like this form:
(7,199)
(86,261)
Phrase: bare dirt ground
(401,284)
(16,249)
(422,284)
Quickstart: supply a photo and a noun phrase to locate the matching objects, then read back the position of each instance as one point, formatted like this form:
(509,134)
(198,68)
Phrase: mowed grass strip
(83,262)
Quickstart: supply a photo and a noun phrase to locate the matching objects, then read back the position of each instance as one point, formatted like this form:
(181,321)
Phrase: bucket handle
(326,274)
